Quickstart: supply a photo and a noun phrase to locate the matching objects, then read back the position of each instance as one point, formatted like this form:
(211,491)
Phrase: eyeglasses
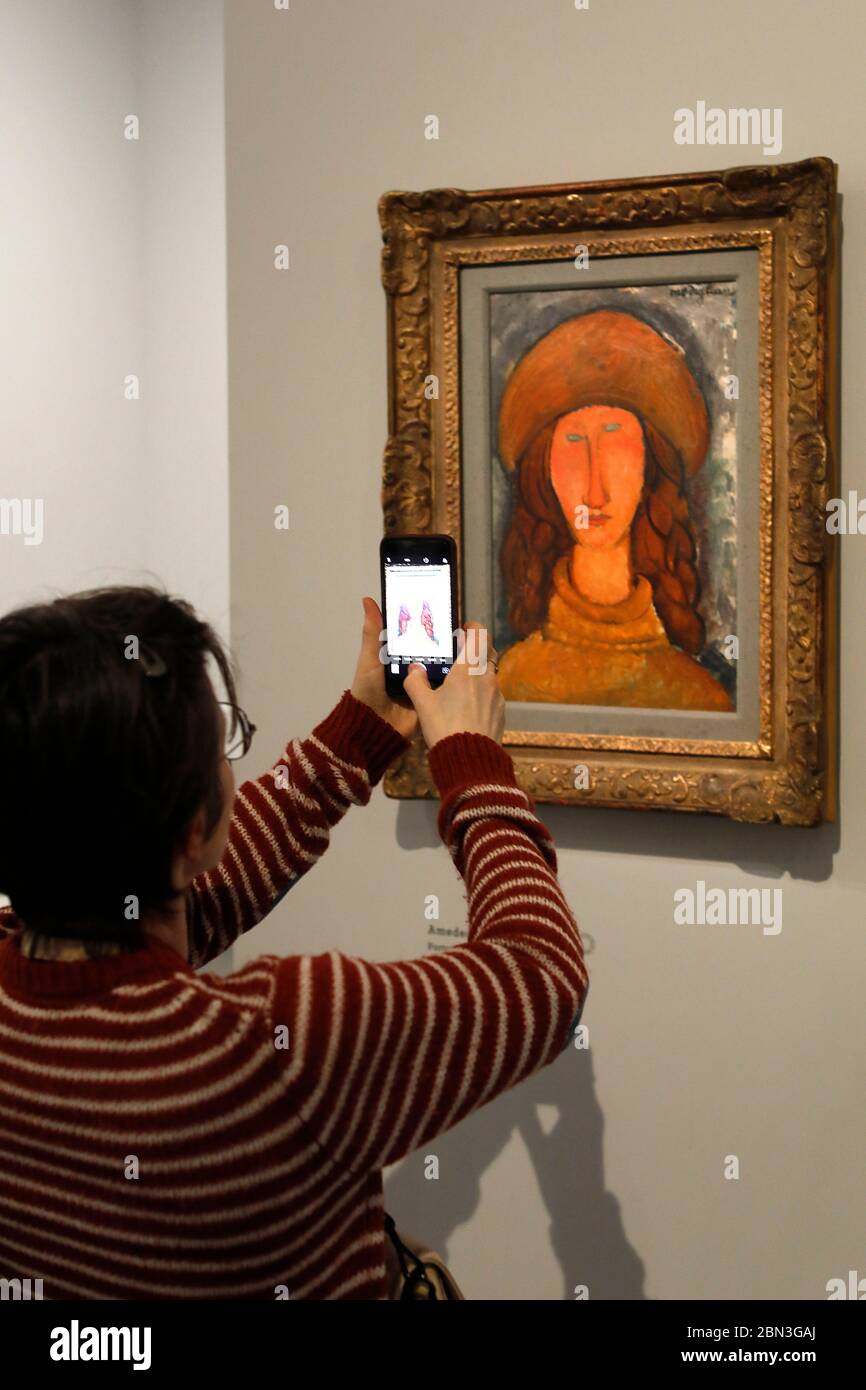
(239,731)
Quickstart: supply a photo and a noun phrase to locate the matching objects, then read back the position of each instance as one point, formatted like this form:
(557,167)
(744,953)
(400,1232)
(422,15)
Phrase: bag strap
(414,1277)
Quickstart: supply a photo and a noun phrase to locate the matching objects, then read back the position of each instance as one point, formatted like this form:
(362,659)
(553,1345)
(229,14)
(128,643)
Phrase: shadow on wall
(768,851)
(585,1231)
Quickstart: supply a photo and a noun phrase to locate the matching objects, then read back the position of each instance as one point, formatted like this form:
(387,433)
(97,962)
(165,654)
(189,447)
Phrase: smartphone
(419,608)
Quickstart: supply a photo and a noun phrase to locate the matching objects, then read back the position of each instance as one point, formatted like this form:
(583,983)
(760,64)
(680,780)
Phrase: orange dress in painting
(605,654)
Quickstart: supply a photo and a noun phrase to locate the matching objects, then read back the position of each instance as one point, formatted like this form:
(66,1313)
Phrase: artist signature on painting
(701,291)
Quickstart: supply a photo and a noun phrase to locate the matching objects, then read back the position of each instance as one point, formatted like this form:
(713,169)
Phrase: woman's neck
(603,576)
(43,946)
(170,927)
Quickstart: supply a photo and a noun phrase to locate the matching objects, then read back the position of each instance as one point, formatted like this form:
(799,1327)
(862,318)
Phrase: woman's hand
(368,685)
(469,700)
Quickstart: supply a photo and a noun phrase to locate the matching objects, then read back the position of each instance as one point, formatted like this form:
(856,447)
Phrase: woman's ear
(190,848)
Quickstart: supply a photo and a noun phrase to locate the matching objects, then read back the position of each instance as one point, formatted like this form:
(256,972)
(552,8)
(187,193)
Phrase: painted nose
(596,496)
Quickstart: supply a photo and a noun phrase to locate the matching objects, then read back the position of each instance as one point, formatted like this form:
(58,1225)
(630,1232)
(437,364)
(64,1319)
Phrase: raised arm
(382,1058)
(281,822)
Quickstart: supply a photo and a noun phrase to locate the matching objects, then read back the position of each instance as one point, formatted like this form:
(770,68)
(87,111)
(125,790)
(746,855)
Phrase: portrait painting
(618,400)
(618,568)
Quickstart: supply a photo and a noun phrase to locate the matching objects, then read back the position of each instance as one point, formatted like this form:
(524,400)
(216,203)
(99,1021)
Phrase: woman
(604,421)
(172,1134)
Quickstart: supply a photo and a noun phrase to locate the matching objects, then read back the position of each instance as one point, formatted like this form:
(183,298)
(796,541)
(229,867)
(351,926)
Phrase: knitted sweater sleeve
(383,1057)
(281,822)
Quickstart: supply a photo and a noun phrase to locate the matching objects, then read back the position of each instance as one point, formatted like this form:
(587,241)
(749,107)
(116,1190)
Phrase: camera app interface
(418,605)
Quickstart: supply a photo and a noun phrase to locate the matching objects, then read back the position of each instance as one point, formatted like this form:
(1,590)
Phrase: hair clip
(152,663)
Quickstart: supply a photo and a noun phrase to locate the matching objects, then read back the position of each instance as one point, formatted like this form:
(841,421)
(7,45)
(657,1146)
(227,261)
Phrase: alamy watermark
(717,907)
(739,125)
(20,1289)
(22,516)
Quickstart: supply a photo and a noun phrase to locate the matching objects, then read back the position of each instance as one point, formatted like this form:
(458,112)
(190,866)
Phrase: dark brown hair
(103,766)
(663,545)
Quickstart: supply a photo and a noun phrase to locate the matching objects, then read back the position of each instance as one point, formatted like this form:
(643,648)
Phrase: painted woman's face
(597,471)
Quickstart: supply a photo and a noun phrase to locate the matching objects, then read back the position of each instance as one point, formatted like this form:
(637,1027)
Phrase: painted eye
(575,437)
(614,425)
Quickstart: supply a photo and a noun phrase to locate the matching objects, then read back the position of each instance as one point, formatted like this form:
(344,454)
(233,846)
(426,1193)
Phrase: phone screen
(418,611)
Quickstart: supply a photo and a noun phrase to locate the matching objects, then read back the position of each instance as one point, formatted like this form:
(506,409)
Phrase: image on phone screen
(418,613)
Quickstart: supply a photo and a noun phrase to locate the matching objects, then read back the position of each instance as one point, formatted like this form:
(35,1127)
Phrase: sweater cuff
(358,735)
(464,759)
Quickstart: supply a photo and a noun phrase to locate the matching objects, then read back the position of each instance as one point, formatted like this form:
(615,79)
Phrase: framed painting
(619,399)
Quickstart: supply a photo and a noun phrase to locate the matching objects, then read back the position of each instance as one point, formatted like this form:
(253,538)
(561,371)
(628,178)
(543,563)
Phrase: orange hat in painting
(604,358)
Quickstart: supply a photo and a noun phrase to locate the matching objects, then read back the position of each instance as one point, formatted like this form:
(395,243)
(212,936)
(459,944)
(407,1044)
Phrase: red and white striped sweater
(259,1166)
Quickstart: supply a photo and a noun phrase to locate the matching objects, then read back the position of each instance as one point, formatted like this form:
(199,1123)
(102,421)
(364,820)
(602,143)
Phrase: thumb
(372,629)
(417,686)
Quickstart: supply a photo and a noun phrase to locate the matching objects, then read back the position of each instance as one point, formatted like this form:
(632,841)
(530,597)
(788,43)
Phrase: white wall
(72,291)
(180,69)
(113,262)
(607,1169)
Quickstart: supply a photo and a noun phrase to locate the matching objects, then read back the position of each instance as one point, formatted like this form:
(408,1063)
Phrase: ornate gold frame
(788,214)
